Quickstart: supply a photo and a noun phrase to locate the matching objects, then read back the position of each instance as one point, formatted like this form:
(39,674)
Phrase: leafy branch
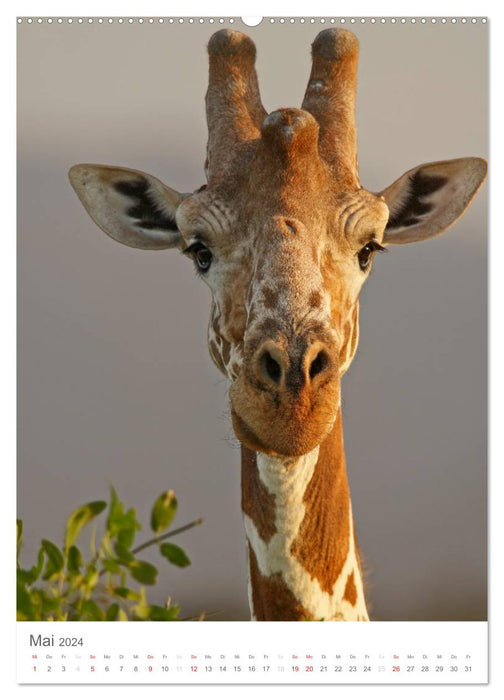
(63,586)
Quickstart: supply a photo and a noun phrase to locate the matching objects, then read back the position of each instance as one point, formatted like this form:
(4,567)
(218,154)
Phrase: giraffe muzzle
(278,369)
(285,400)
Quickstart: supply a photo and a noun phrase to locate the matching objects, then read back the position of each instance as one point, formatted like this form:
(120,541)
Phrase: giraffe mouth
(246,435)
(295,442)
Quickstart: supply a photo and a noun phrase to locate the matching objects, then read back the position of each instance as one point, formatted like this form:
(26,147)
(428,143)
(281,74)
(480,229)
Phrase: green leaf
(91,579)
(112,613)
(121,525)
(25,577)
(92,611)
(115,509)
(127,593)
(37,569)
(163,511)
(29,576)
(79,518)
(50,603)
(106,546)
(25,608)
(156,612)
(143,572)
(141,610)
(55,559)
(74,560)
(174,554)
(123,553)
(111,566)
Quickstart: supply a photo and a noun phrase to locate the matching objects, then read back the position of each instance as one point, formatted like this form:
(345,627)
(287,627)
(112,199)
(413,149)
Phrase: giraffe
(284,235)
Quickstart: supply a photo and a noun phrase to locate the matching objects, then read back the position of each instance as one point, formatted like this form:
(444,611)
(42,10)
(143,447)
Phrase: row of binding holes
(121,20)
(272,20)
(381,20)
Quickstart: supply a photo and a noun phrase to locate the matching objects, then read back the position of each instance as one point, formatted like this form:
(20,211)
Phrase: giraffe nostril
(319,364)
(271,367)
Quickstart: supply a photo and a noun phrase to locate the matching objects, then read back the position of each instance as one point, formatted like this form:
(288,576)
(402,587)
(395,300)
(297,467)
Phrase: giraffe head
(283,234)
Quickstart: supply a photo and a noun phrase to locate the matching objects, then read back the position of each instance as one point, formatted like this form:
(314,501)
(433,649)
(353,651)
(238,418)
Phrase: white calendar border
(350,653)
(92,7)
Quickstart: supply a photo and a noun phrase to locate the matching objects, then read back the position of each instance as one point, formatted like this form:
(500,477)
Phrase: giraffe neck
(303,559)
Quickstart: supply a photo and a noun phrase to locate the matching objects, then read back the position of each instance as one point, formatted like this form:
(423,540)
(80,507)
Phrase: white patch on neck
(287,480)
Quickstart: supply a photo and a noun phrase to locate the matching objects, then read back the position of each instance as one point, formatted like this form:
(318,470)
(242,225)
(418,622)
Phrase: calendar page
(252,417)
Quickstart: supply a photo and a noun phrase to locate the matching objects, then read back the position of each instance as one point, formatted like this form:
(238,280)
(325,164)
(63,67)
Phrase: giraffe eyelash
(377,246)
(365,254)
(201,255)
(193,247)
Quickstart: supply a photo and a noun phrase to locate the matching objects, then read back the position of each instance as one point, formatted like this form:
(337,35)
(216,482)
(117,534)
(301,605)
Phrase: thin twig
(201,616)
(156,540)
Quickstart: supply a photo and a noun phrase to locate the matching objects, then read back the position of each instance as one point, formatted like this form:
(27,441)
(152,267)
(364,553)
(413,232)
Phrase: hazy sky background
(115,382)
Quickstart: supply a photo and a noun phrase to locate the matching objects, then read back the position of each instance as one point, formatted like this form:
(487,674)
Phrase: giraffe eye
(365,255)
(201,255)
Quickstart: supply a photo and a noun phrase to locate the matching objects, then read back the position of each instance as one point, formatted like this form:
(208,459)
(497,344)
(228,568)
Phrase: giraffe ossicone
(285,236)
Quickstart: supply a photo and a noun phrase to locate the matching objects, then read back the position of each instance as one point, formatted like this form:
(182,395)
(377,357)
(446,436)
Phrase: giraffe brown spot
(350,593)
(323,540)
(227,310)
(269,326)
(315,299)
(235,369)
(317,328)
(269,297)
(271,599)
(226,351)
(257,502)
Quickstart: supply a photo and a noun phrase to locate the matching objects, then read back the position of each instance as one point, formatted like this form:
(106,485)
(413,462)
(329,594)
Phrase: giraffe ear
(427,200)
(130,206)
